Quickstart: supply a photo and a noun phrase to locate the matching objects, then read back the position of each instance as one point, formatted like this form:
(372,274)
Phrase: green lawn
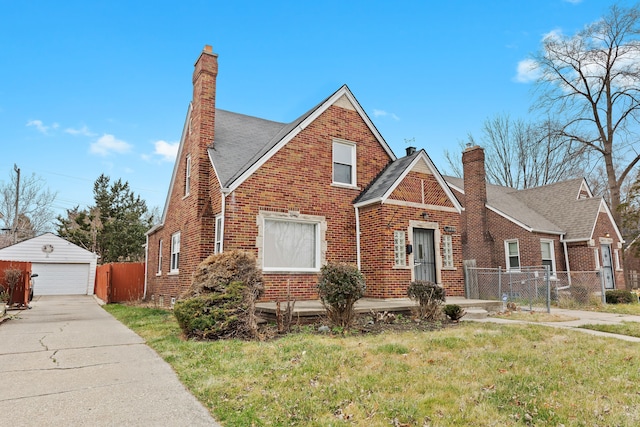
(472,374)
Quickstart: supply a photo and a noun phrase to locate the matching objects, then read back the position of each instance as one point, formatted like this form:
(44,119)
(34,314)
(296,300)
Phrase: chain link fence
(535,288)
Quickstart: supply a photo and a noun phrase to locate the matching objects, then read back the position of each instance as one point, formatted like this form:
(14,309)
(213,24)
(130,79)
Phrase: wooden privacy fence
(20,295)
(120,282)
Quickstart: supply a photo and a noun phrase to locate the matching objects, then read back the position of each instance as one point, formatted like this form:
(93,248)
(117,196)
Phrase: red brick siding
(298,177)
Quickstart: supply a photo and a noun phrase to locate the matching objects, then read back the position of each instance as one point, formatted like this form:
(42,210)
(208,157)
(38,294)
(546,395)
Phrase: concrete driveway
(67,362)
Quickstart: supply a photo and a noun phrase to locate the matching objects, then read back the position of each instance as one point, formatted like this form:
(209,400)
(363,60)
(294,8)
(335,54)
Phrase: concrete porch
(313,308)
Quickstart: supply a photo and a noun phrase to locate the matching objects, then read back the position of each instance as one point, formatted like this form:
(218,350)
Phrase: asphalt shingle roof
(383,182)
(553,208)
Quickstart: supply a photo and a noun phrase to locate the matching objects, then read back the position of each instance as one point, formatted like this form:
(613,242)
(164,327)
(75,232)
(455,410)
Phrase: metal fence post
(499,281)
(547,280)
(604,297)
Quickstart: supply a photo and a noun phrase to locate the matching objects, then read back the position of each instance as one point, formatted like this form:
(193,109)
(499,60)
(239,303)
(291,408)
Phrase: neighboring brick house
(325,187)
(561,225)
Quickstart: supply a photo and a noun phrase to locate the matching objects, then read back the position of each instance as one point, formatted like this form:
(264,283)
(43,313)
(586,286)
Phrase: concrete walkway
(67,362)
(583,318)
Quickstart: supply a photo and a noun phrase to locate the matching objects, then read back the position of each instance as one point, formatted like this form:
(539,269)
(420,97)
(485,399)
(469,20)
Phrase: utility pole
(15,218)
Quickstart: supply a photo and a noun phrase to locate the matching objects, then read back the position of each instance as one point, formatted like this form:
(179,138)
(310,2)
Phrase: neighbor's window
(616,256)
(512,251)
(175,252)
(447,251)
(344,163)
(291,245)
(548,258)
(218,238)
(187,175)
(160,257)
(399,249)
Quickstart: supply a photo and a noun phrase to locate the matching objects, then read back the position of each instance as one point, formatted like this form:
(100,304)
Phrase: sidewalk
(583,318)
(67,362)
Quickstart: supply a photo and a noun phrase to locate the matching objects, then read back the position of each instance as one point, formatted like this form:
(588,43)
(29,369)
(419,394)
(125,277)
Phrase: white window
(291,245)
(548,258)
(175,252)
(512,252)
(447,251)
(160,257)
(596,253)
(616,256)
(187,175)
(344,163)
(399,249)
(218,238)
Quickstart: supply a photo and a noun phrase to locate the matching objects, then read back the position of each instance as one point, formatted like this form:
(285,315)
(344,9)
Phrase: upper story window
(187,175)
(344,163)
(159,257)
(548,258)
(175,252)
(512,253)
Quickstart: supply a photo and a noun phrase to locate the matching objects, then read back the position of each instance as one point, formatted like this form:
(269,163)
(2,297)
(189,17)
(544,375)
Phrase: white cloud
(84,131)
(166,150)
(527,71)
(108,144)
(573,1)
(382,113)
(40,126)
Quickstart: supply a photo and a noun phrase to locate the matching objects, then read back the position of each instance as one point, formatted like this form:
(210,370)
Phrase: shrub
(430,297)
(339,287)
(221,300)
(620,296)
(454,312)
(12,278)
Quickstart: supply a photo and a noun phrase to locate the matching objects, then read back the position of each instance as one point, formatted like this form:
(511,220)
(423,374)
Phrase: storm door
(607,266)
(424,256)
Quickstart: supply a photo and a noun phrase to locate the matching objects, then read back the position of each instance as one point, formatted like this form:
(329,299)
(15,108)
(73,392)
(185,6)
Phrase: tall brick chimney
(477,241)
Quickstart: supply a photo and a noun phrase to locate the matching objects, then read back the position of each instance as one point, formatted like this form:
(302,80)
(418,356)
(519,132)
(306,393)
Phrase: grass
(472,374)
(631,329)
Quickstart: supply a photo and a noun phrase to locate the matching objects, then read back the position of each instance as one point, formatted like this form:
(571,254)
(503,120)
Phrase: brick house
(325,187)
(561,225)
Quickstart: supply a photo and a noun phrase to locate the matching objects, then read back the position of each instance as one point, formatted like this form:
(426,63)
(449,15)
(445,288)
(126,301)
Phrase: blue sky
(91,87)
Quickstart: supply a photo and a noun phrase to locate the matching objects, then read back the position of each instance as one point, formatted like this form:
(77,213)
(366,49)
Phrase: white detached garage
(63,268)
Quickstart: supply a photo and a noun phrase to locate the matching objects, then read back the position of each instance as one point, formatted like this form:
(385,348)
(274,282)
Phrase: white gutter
(566,260)
(223,193)
(357,236)
(146,263)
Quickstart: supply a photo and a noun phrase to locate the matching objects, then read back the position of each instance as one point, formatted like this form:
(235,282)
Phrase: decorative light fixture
(424,215)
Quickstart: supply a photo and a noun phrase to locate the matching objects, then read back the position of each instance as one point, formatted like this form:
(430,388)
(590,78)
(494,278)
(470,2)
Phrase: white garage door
(60,279)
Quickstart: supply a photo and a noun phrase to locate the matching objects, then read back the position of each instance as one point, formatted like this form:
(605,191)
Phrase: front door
(607,266)
(424,256)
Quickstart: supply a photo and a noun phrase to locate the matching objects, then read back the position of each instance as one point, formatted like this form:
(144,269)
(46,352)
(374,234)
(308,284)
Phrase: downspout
(358,237)
(566,261)
(146,263)
(223,192)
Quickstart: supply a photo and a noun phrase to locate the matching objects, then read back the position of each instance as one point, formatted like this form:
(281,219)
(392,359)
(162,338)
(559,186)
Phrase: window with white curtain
(187,175)
(290,245)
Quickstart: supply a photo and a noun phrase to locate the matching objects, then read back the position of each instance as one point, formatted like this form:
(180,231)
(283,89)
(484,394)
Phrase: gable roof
(554,208)
(383,185)
(242,143)
(62,250)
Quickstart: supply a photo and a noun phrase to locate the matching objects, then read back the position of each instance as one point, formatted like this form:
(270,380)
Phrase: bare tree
(35,211)
(590,83)
(523,155)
